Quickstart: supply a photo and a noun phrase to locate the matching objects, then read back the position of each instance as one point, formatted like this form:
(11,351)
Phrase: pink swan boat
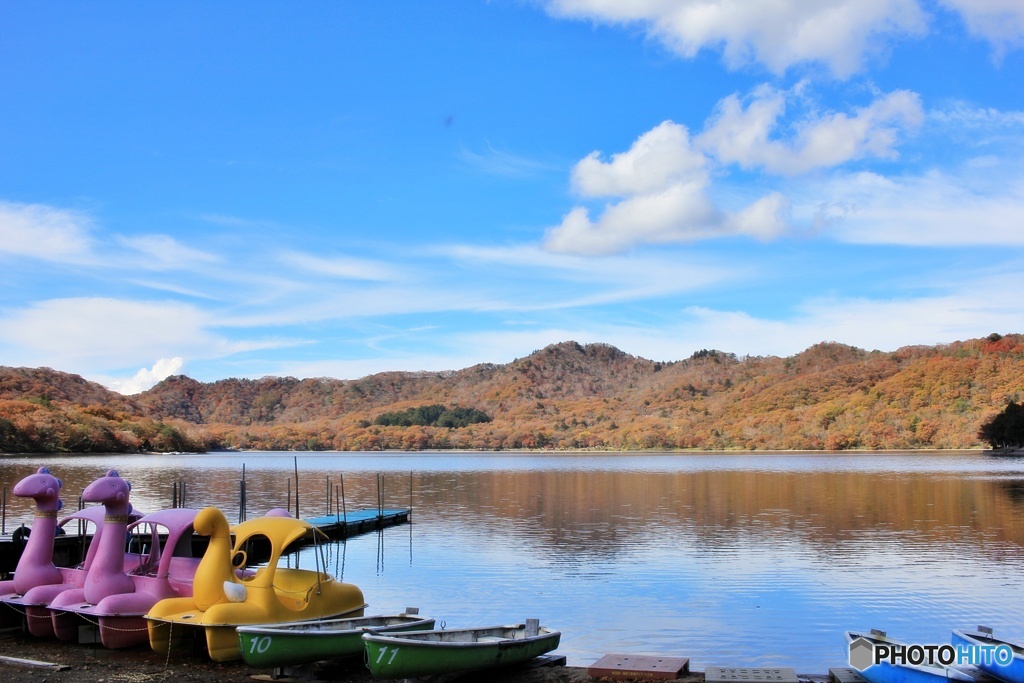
(166,570)
(35,566)
(106,574)
(37,581)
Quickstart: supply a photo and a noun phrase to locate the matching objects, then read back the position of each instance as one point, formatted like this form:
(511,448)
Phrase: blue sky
(333,189)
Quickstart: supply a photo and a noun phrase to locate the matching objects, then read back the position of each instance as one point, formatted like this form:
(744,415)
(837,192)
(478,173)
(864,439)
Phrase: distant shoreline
(1016,452)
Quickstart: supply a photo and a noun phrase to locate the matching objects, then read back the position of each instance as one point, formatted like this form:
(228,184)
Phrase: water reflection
(731,560)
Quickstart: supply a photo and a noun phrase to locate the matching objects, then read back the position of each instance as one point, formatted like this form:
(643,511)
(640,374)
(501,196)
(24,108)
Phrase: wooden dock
(69,550)
(348,524)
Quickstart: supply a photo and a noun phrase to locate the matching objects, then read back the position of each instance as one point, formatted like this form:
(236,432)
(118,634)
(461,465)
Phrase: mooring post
(380,498)
(297,488)
(3,524)
(344,508)
(241,497)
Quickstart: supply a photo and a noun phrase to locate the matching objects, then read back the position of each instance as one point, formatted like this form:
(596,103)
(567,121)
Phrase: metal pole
(344,508)
(297,488)
(328,494)
(3,524)
(241,497)
(289,495)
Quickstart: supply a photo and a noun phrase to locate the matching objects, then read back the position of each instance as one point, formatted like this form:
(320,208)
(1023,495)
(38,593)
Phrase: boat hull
(908,673)
(1011,673)
(428,653)
(279,645)
(176,632)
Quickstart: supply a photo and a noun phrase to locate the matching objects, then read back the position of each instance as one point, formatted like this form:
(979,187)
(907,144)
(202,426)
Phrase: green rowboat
(426,653)
(301,642)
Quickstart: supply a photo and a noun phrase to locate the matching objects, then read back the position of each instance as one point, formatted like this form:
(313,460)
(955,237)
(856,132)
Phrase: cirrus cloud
(45,233)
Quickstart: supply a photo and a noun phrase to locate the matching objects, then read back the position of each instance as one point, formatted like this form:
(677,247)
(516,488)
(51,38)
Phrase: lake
(731,560)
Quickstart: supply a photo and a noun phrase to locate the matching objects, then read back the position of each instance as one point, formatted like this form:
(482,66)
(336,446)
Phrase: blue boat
(884,672)
(1011,672)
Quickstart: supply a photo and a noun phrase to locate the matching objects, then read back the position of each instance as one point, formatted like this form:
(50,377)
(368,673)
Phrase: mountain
(569,396)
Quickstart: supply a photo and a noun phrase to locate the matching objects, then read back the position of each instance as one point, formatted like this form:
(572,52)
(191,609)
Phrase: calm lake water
(731,560)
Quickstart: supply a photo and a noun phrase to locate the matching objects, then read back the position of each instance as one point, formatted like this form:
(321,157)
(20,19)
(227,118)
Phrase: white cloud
(560,281)
(1001,22)
(779,34)
(665,185)
(962,115)
(45,233)
(765,219)
(661,158)
(503,163)
(342,267)
(744,136)
(965,308)
(680,213)
(933,209)
(161,252)
(957,309)
(146,378)
(86,335)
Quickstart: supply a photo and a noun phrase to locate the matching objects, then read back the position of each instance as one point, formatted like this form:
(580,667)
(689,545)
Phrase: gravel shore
(96,664)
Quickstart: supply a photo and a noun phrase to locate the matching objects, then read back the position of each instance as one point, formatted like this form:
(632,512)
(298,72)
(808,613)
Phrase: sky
(335,189)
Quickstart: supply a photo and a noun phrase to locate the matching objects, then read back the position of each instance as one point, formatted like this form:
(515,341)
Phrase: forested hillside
(565,396)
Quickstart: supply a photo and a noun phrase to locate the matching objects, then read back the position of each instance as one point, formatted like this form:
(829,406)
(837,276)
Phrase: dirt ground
(95,664)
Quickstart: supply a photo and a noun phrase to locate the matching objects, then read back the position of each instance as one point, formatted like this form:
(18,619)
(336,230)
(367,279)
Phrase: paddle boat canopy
(163,567)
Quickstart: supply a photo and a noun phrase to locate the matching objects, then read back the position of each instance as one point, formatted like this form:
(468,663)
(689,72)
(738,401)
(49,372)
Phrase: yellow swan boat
(225,597)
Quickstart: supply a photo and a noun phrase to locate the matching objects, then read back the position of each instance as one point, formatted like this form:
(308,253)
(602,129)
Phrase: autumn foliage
(565,396)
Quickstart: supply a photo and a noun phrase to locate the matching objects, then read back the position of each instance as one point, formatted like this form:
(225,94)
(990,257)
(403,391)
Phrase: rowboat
(427,653)
(302,642)
(1010,671)
(885,672)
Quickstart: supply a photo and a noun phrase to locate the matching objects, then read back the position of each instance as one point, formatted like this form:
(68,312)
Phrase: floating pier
(348,524)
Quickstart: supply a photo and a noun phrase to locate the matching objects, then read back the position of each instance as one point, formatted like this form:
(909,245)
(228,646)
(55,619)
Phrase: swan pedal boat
(304,642)
(1010,673)
(166,569)
(415,654)
(39,589)
(224,597)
